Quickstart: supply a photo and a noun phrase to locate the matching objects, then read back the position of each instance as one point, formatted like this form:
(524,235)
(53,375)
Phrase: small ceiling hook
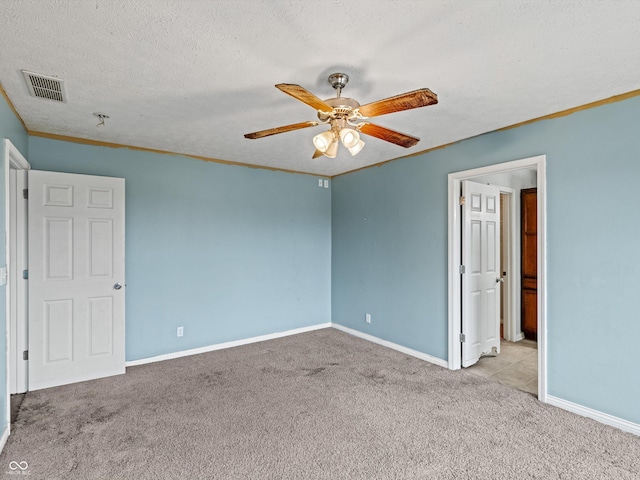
(101,117)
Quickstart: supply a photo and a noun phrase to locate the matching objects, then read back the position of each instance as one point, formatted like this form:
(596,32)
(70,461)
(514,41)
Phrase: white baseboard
(394,346)
(595,415)
(5,436)
(221,346)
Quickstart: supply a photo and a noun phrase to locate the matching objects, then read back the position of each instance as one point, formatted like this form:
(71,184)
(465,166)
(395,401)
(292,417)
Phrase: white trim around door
(454,260)
(15,257)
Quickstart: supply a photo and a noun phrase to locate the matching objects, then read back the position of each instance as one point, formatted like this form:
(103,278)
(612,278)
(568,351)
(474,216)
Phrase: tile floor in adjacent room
(516,365)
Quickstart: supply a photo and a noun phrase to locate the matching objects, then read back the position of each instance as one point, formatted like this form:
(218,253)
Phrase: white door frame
(15,254)
(454,244)
(512,331)
(17,263)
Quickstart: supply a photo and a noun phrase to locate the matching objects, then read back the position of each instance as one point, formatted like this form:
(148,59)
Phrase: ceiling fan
(347,118)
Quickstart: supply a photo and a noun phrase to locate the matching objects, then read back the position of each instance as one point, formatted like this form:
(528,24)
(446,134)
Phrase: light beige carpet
(320,405)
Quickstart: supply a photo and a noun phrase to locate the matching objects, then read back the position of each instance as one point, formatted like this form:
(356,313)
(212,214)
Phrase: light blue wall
(11,128)
(228,252)
(389,249)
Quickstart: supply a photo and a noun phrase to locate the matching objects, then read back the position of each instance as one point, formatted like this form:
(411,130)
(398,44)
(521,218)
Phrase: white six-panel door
(481,278)
(76,278)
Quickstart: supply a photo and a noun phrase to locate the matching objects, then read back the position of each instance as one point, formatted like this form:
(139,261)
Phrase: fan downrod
(338,81)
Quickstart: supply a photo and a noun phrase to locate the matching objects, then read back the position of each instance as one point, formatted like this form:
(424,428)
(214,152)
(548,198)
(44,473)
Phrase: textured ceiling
(193,77)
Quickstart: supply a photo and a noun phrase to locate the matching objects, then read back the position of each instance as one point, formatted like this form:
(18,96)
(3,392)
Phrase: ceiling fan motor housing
(343,107)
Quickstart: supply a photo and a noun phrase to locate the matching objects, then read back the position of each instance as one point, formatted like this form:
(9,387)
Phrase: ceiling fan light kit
(323,141)
(347,118)
(349,137)
(356,148)
(332,151)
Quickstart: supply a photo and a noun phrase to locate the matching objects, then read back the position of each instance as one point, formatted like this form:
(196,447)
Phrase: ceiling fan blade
(389,135)
(283,129)
(405,101)
(305,96)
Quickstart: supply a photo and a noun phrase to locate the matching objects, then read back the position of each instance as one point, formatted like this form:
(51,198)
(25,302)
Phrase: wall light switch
(320,182)
(326,183)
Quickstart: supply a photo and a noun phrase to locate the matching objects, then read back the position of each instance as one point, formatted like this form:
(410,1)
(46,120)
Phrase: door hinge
(462,269)
(462,338)
(25,274)
(461,200)
(25,355)
(25,193)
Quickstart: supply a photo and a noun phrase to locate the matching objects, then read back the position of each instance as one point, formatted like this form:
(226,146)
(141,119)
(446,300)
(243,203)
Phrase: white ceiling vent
(43,86)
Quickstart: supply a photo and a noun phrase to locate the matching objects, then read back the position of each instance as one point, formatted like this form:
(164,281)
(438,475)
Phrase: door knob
(117,286)
(499,280)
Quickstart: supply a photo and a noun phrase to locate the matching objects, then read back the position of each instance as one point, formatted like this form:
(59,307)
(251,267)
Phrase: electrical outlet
(180,331)
(367,318)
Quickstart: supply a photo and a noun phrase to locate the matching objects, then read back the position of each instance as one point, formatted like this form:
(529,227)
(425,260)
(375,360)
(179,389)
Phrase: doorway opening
(512,177)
